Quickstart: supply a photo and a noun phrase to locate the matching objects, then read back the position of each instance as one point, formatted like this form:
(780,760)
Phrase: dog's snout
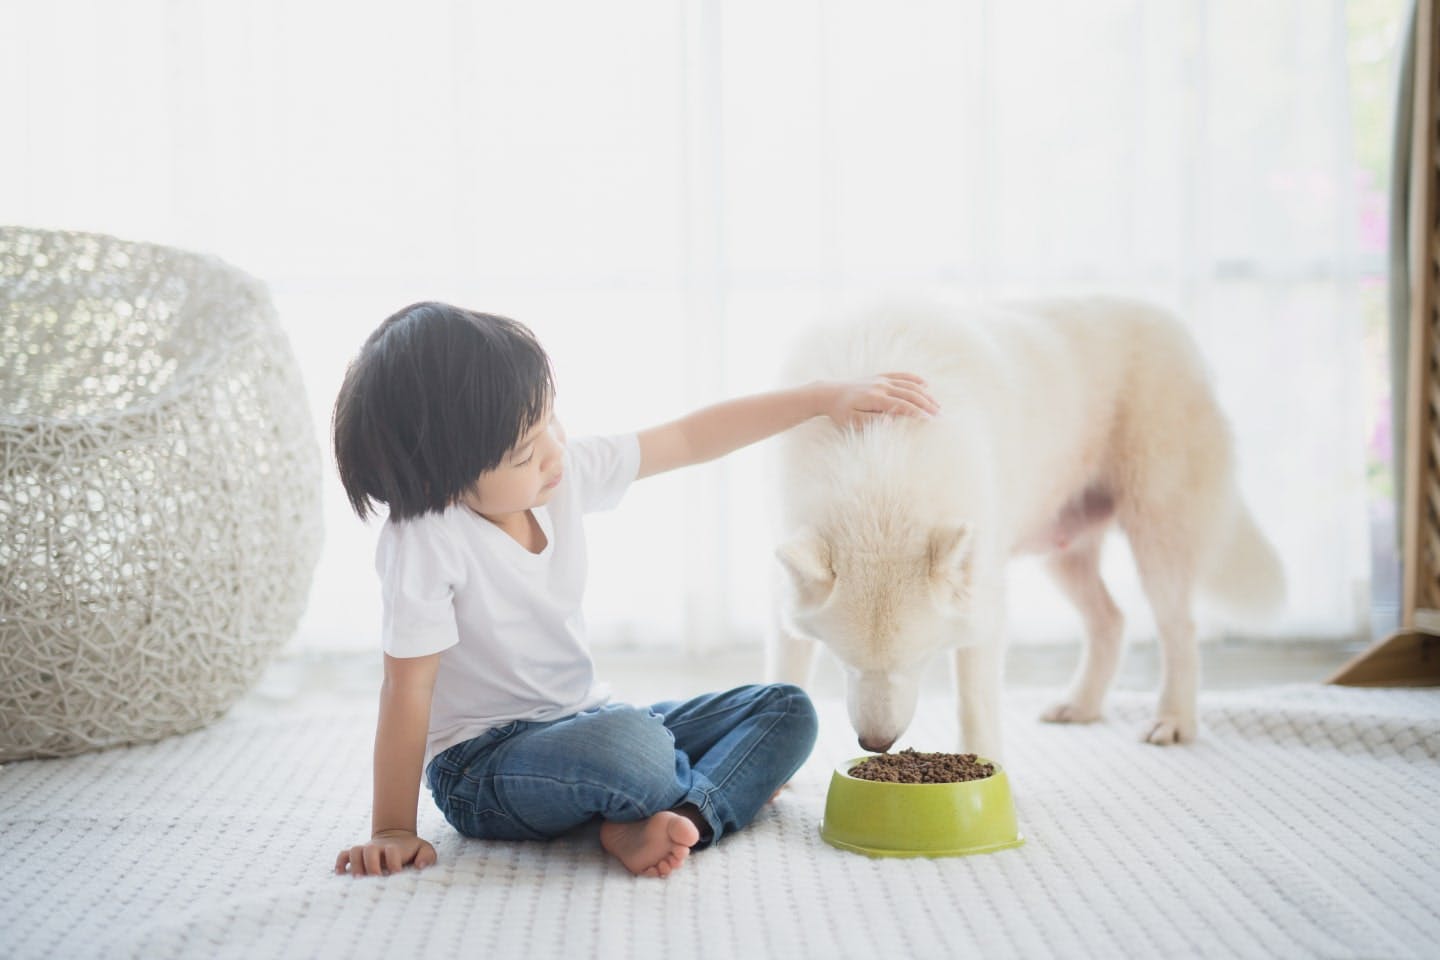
(876,744)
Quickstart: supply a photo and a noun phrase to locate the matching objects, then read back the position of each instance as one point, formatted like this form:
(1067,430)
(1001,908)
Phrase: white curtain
(664,189)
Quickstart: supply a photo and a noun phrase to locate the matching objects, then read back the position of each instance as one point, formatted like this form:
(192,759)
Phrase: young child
(446,417)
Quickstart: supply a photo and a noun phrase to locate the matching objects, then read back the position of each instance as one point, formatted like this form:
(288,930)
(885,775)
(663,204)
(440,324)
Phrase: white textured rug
(1306,823)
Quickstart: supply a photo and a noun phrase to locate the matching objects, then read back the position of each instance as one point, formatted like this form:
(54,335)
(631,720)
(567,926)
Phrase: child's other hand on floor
(386,853)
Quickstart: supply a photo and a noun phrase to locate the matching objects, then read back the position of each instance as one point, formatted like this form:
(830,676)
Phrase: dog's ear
(807,560)
(950,555)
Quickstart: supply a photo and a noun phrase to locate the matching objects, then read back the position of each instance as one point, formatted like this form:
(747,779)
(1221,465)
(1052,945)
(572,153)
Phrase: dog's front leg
(789,658)
(978,669)
(979,674)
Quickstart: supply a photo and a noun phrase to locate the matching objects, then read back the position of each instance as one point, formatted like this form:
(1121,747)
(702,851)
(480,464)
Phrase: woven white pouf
(159,494)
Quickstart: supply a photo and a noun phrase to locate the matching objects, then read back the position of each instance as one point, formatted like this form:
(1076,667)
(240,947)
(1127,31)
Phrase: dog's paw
(1071,712)
(1169,729)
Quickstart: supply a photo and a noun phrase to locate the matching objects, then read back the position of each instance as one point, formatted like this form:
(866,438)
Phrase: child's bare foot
(650,848)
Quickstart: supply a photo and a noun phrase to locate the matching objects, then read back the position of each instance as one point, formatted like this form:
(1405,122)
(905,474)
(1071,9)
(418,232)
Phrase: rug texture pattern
(1305,823)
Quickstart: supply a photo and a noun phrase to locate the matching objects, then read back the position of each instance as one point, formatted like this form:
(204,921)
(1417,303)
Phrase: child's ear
(807,560)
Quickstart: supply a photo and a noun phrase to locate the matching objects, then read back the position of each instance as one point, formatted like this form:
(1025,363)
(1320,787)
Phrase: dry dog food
(908,766)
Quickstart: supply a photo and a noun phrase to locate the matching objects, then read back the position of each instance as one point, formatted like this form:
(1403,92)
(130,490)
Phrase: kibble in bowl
(911,804)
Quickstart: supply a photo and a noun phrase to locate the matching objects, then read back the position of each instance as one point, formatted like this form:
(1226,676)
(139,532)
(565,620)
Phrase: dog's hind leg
(1076,570)
(1166,565)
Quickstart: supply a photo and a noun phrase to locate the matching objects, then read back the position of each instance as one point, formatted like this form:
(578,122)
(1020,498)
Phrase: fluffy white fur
(1060,419)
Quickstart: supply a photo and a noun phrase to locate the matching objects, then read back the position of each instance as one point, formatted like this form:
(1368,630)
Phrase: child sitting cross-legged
(490,694)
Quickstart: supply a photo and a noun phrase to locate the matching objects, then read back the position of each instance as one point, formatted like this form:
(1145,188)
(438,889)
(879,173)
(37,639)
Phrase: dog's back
(1044,403)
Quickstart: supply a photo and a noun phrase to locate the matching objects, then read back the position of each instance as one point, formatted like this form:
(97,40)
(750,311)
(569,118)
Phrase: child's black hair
(437,396)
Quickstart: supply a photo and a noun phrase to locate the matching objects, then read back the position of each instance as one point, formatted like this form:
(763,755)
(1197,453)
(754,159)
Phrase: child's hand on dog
(897,394)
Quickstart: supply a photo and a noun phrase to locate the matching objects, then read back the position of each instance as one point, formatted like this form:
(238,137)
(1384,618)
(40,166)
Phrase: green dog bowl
(919,819)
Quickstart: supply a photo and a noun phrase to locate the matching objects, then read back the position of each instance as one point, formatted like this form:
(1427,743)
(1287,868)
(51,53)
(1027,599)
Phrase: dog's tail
(1244,579)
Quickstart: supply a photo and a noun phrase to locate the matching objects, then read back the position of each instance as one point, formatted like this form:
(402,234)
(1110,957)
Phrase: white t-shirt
(508,620)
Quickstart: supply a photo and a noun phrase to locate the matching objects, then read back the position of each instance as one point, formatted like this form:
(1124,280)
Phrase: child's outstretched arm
(716,431)
(399,756)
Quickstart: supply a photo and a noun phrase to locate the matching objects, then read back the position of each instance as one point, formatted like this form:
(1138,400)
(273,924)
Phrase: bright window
(665,190)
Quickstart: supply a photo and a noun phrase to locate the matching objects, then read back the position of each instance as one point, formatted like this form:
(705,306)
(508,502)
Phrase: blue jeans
(726,753)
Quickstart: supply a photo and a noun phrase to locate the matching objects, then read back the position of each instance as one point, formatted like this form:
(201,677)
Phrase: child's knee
(634,742)
(801,722)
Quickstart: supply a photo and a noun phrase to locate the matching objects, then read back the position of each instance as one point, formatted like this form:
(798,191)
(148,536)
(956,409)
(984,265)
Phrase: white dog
(1059,419)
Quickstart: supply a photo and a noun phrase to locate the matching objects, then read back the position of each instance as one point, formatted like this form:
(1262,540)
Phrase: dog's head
(884,614)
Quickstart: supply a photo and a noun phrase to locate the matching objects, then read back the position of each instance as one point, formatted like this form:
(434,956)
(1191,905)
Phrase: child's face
(526,478)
